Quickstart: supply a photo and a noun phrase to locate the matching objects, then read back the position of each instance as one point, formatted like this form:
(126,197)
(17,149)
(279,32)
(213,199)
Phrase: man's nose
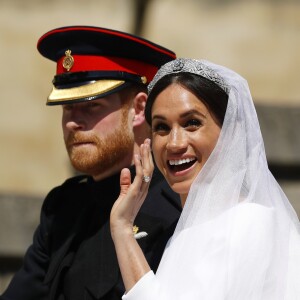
(73,125)
(75,120)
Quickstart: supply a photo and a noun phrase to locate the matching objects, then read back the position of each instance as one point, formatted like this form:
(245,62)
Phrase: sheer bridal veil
(238,235)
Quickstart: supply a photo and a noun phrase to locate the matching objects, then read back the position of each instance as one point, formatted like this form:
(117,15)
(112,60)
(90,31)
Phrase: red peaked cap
(93,62)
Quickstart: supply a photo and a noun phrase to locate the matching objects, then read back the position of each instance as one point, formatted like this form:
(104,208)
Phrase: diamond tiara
(193,66)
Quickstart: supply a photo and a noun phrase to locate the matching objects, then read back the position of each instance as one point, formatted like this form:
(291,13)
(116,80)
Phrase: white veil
(238,235)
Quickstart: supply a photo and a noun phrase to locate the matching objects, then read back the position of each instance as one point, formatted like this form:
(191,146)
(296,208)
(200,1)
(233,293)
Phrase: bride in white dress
(238,236)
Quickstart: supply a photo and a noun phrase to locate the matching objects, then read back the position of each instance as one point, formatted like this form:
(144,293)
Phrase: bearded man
(100,82)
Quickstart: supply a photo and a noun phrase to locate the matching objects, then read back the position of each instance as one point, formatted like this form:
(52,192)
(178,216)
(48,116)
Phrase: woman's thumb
(125,181)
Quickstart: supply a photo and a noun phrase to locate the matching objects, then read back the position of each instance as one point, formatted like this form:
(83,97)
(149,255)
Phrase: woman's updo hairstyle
(214,97)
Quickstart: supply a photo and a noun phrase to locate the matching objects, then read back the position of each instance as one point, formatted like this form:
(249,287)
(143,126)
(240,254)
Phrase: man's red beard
(102,154)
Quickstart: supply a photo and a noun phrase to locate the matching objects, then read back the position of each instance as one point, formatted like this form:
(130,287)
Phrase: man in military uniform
(100,82)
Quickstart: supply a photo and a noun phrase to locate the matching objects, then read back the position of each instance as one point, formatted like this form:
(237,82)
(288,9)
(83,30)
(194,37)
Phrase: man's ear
(139,104)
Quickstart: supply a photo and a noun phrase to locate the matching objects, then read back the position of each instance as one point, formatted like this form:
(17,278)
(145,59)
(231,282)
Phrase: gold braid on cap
(193,66)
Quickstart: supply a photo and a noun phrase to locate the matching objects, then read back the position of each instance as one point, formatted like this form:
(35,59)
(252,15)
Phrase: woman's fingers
(132,195)
(145,150)
(125,181)
(147,163)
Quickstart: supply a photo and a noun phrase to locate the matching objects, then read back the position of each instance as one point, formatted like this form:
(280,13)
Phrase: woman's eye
(193,123)
(160,127)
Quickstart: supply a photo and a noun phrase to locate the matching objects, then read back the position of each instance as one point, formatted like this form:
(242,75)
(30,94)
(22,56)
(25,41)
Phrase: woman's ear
(139,104)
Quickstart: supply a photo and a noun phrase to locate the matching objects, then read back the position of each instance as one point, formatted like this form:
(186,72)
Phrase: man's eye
(93,104)
(160,128)
(67,107)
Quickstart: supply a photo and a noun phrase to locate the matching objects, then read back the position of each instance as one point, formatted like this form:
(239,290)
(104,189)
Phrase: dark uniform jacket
(73,257)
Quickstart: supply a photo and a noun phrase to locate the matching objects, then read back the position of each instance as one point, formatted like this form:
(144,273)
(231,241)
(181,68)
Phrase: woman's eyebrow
(158,117)
(193,112)
(183,115)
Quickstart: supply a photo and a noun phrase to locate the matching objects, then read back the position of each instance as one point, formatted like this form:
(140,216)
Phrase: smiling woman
(183,128)
(238,237)
(186,127)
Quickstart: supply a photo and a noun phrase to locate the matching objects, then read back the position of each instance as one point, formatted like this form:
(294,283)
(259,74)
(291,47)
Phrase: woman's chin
(182,187)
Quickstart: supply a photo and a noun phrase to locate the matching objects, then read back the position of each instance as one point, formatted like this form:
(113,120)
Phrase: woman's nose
(177,140)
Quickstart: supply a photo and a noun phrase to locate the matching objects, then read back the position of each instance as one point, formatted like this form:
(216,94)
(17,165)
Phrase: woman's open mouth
(177,165)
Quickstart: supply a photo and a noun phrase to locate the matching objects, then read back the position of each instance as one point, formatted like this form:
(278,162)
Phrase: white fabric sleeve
(144,289)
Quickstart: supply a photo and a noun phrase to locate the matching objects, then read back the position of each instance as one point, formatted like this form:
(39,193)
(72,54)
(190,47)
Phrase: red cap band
(107,63)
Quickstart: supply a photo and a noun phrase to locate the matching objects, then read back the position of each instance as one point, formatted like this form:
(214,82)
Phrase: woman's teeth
(177,162)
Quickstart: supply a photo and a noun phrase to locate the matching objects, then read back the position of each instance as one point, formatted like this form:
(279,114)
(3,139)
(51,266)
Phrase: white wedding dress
(238,236)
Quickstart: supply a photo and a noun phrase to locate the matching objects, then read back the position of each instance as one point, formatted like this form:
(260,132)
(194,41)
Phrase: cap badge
(68,61)
(144,79)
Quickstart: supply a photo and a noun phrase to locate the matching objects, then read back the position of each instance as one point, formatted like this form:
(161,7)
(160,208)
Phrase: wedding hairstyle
(211,94)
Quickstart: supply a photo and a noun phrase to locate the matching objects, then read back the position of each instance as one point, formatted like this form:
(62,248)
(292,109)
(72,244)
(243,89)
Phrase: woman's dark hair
(207,91)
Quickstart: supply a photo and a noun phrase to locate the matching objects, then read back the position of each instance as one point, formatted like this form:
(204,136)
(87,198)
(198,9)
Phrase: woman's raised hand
(132,262)
(132,195)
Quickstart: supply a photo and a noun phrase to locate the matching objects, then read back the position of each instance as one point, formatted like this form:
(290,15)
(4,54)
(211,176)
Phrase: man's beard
(104,153)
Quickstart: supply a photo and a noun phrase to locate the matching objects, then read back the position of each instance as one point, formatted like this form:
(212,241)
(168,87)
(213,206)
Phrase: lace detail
(194,66)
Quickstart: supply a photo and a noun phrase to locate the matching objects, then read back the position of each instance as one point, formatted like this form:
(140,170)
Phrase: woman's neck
(183,199)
